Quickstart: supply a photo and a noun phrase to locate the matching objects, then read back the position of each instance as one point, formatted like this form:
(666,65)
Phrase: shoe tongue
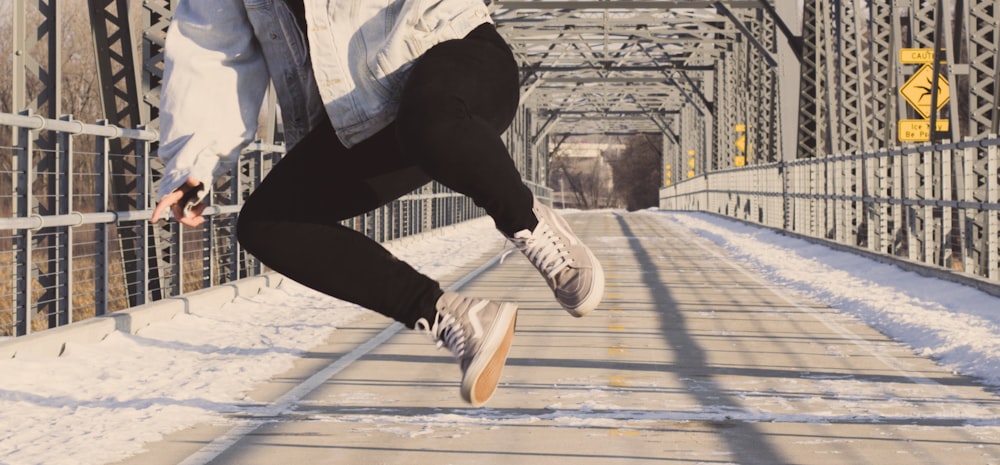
(522,234)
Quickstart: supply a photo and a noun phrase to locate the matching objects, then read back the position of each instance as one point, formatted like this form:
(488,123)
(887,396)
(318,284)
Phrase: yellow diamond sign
(741,144)
(917,91)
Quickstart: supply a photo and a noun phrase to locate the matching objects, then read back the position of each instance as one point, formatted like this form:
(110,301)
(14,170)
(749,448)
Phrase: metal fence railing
(74,237)
(924,203)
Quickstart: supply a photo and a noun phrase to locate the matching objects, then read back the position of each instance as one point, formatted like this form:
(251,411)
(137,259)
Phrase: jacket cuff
(203,171)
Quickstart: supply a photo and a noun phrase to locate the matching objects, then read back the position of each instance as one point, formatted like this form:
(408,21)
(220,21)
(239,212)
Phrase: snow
(956,325)
(104,401)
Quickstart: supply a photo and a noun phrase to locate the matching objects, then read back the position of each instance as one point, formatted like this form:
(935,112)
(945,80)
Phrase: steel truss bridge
(788,114)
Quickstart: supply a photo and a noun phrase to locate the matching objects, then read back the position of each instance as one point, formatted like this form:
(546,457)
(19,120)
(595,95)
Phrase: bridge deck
(691,359)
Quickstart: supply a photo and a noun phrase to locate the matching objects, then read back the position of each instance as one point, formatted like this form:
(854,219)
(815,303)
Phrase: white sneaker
(479,333)
(569,267)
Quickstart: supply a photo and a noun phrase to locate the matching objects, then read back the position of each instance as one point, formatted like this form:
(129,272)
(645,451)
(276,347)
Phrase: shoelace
(545,252)
(444,333)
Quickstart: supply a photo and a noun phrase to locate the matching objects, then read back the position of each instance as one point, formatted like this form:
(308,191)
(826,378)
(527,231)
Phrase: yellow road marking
(624,432)
(618,381)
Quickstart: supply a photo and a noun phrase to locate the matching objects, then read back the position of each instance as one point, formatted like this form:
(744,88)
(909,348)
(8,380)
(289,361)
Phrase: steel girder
(116,67)
(37,65)
(982,39)
(614,67)
(693,71)
(850,103)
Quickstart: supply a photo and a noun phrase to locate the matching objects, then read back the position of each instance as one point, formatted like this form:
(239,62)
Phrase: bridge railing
(67,253)
(921,203)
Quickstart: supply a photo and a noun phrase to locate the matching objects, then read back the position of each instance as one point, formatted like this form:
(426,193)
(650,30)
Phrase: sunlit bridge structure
(863,127)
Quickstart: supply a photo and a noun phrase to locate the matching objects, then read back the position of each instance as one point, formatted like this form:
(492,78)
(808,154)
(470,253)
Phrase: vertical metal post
(992,241)
(895,190)
(912,239)
(118,76)
(102,260)
(24,311)
(163,265)
(208,247)
(927,210)
(945,256)
(258,175)
(19,79)
(64,196)
(967,195)
(156,20)
(814,200)
(177,256)
(898,229)
(48,100)
(828,190)
(427,213)
(243,169)
(839,192)
(144,199)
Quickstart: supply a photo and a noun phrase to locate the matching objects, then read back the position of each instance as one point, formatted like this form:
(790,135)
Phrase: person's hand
(178,200)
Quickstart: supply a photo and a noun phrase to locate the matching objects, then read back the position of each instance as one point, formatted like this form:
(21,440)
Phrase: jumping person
(377,98)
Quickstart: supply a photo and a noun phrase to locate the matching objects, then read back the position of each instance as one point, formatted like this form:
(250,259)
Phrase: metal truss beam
(620,4)
(618,62)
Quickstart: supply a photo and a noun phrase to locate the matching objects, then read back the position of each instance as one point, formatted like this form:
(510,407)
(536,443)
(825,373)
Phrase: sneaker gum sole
(596,294)
(479,388)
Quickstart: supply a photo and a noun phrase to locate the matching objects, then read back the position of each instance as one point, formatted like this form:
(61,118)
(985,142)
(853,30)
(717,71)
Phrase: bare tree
(587,178)
(638,173)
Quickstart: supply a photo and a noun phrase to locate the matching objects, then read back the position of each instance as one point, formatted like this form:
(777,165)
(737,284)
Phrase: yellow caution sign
(741,143)
(916,56)
(917,91)
(742,146)
(919,130)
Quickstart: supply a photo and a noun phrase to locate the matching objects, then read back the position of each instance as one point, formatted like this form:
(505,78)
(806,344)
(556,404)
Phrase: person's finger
(197,210)
(193,218)
(165,203)
(194,221)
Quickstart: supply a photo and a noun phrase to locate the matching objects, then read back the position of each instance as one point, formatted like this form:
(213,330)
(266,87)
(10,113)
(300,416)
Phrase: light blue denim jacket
(220,55)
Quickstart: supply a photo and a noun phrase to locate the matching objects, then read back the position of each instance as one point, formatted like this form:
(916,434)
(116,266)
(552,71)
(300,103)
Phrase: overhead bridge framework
(786,113)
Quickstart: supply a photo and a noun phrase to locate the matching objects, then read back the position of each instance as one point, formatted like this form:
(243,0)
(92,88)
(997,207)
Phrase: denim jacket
(220,55)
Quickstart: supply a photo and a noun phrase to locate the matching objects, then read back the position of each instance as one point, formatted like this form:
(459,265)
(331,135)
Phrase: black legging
(460,97)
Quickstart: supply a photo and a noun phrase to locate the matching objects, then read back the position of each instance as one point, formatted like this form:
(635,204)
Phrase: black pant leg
(459,99)
(291,223)
(461,96)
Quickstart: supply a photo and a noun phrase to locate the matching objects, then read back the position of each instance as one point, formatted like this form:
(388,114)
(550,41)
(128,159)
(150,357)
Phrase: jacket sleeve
(214,80)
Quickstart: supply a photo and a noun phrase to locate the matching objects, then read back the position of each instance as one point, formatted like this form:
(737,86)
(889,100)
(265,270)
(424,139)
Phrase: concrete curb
(51,342)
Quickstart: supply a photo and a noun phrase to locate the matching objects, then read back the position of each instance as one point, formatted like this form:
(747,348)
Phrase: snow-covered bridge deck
(692,358)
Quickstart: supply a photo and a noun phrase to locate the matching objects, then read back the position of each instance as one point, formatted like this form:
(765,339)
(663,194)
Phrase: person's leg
(458,100)
(291,222)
